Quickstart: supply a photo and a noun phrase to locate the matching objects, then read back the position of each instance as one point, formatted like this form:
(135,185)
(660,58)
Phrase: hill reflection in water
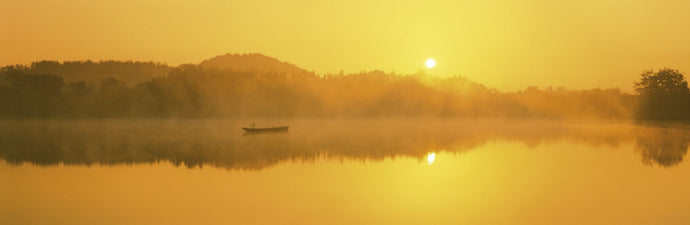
(221,143)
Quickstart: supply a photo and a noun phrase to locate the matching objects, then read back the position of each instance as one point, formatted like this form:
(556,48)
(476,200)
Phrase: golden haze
(504,44)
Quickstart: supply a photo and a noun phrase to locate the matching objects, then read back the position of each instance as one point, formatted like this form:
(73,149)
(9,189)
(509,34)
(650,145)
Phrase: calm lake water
(343,172)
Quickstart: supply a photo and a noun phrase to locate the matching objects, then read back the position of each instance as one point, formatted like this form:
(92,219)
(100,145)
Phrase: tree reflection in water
(664,147)
(220,143)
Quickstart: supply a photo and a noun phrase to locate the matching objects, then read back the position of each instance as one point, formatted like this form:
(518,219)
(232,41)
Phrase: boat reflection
(276,132)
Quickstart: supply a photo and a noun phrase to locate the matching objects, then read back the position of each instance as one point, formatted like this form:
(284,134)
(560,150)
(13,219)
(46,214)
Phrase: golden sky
(506,44)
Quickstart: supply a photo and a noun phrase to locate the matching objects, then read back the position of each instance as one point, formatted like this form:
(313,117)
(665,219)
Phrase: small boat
(267,129)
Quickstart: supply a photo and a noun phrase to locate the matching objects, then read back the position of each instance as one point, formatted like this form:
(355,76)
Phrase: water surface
(343,172)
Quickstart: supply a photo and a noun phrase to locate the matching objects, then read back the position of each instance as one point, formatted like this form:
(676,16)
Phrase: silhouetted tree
(93,72)
(34,94)
(78,98)
(664,94)
(115,98)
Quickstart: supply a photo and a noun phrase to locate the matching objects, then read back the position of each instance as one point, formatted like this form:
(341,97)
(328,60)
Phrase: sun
(430,63)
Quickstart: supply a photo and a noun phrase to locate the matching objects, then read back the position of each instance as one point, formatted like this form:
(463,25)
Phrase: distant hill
(252,63)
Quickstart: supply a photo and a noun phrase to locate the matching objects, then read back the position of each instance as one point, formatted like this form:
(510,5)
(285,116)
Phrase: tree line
(197,91)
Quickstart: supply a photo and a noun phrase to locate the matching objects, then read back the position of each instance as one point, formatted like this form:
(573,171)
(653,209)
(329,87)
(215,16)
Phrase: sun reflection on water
(430,158)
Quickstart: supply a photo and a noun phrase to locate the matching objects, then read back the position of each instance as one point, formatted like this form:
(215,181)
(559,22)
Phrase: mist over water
(220,143)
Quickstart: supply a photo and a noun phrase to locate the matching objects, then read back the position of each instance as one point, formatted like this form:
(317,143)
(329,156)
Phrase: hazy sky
(506,44)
